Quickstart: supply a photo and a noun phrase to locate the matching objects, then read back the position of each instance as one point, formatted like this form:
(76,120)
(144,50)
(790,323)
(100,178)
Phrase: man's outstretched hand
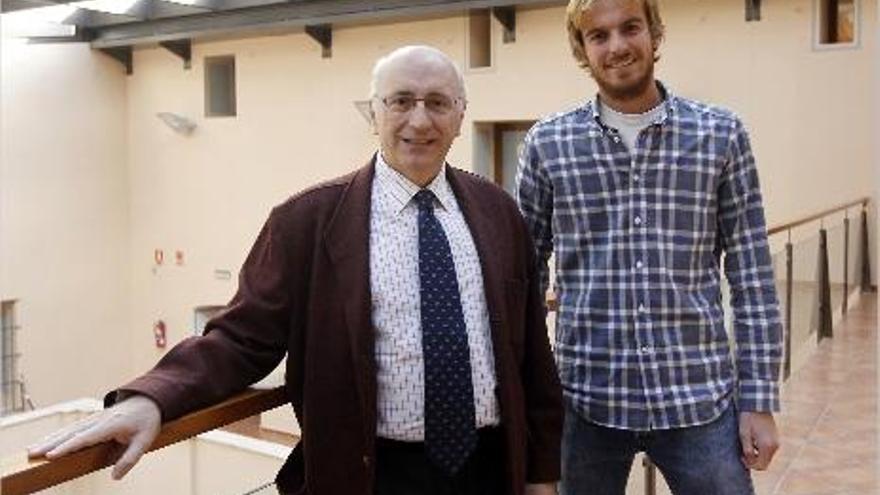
(132,423)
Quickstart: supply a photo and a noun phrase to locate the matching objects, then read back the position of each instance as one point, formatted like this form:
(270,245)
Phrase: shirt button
(616,139)
(639,264)
(636,177)
(637,220)
(645,349)
(641,308)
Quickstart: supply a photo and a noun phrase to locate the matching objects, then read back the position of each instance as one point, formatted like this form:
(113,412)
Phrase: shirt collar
(668,101)
(401,190)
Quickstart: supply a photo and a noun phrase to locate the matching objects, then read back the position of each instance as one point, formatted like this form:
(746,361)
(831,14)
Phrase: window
(10,383)
(220,86)
(479,38)
(497,146)
(201,316)
(837,22)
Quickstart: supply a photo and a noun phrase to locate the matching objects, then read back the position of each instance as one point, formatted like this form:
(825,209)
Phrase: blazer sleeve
(240,346)
(543,392)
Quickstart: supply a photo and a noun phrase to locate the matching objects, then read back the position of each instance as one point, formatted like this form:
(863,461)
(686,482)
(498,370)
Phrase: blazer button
(367,461)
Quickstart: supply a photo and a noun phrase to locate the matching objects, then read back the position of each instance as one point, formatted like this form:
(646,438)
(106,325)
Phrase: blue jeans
(697,460)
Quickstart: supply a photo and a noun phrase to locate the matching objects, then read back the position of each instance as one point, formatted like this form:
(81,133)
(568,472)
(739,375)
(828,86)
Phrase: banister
(816,216)
(22,476)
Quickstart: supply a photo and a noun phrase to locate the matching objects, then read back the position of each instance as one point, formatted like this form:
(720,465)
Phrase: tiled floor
(829,421)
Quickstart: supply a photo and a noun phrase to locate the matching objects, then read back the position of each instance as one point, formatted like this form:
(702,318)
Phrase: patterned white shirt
(394,285)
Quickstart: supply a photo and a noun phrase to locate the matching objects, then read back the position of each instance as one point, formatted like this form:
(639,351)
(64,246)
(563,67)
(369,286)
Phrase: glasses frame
(457,102)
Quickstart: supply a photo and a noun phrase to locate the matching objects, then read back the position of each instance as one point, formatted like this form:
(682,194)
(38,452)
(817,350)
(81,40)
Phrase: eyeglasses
(435,103)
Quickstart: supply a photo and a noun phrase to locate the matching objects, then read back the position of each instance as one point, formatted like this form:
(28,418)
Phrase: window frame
(819,19)
(232,98)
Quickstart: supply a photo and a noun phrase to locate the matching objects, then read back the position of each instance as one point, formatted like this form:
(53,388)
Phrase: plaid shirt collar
(593,110)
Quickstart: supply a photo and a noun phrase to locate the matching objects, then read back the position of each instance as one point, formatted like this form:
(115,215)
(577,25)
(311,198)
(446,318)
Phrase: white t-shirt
(629,125)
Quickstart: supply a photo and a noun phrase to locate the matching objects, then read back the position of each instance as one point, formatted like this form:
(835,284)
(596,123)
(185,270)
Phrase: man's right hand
(133,423)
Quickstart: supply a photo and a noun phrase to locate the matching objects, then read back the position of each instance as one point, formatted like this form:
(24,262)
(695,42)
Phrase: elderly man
(406,297)
(640,191)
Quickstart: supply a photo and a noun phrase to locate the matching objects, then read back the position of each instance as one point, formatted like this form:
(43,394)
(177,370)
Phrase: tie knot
(425,199)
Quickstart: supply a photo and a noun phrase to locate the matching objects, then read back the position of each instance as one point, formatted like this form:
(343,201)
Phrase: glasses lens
(400,103)
(438,103)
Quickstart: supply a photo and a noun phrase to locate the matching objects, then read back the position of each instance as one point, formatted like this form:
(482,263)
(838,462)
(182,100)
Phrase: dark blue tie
(450,431)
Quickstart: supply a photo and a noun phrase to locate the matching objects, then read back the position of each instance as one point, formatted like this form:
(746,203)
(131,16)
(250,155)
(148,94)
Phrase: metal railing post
(650,476)
(865,254)
(845,303)
(789,279)
(825,324)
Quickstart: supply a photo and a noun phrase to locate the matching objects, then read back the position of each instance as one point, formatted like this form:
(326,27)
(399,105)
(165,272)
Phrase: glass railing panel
(779,279)
(805,292)
(853,268)
(779,274)
(835,266)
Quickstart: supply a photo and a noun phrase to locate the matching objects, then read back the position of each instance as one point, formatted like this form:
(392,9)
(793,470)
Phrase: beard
(629,91)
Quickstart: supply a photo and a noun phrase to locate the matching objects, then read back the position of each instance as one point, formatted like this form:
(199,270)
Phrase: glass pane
(804,294)
(779,273)
(511,144)
(220,86)
(855,239)
(846,21)
(835,266)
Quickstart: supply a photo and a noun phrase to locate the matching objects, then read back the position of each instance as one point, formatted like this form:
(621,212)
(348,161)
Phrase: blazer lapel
(483,231)
(347,240)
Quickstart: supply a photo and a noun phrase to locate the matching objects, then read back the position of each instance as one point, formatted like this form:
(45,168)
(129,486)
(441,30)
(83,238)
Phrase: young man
(641,191)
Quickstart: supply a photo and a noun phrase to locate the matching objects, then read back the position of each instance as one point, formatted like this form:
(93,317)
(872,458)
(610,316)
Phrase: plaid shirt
(640,337)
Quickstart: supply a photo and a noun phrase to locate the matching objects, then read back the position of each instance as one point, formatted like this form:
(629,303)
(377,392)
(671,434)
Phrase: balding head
(414,54)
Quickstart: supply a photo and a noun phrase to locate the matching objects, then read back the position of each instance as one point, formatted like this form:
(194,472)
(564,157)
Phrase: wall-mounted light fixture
(178,123)
(363,108)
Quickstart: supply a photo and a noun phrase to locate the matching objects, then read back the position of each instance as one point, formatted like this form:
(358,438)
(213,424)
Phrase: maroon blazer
(304,290)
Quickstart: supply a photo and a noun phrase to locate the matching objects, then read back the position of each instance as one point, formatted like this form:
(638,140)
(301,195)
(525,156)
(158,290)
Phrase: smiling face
(619,50)
(415,141)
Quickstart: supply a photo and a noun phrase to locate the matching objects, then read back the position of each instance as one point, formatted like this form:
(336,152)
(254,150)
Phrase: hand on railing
(134,423)
(22,478)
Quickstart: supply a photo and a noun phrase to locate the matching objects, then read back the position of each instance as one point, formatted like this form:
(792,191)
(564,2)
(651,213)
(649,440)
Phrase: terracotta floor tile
(829,418)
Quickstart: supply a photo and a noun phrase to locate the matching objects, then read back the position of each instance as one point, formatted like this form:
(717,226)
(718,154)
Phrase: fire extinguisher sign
(159,333)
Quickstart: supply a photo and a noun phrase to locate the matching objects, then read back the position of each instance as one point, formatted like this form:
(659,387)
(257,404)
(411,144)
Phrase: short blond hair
(575,12)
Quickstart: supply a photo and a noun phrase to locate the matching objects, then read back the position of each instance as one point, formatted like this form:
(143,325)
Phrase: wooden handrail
(22,476)
(816,216)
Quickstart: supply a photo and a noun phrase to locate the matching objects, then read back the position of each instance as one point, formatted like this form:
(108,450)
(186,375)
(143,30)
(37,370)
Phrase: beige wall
(112,168)
(209,192)
(64,217)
